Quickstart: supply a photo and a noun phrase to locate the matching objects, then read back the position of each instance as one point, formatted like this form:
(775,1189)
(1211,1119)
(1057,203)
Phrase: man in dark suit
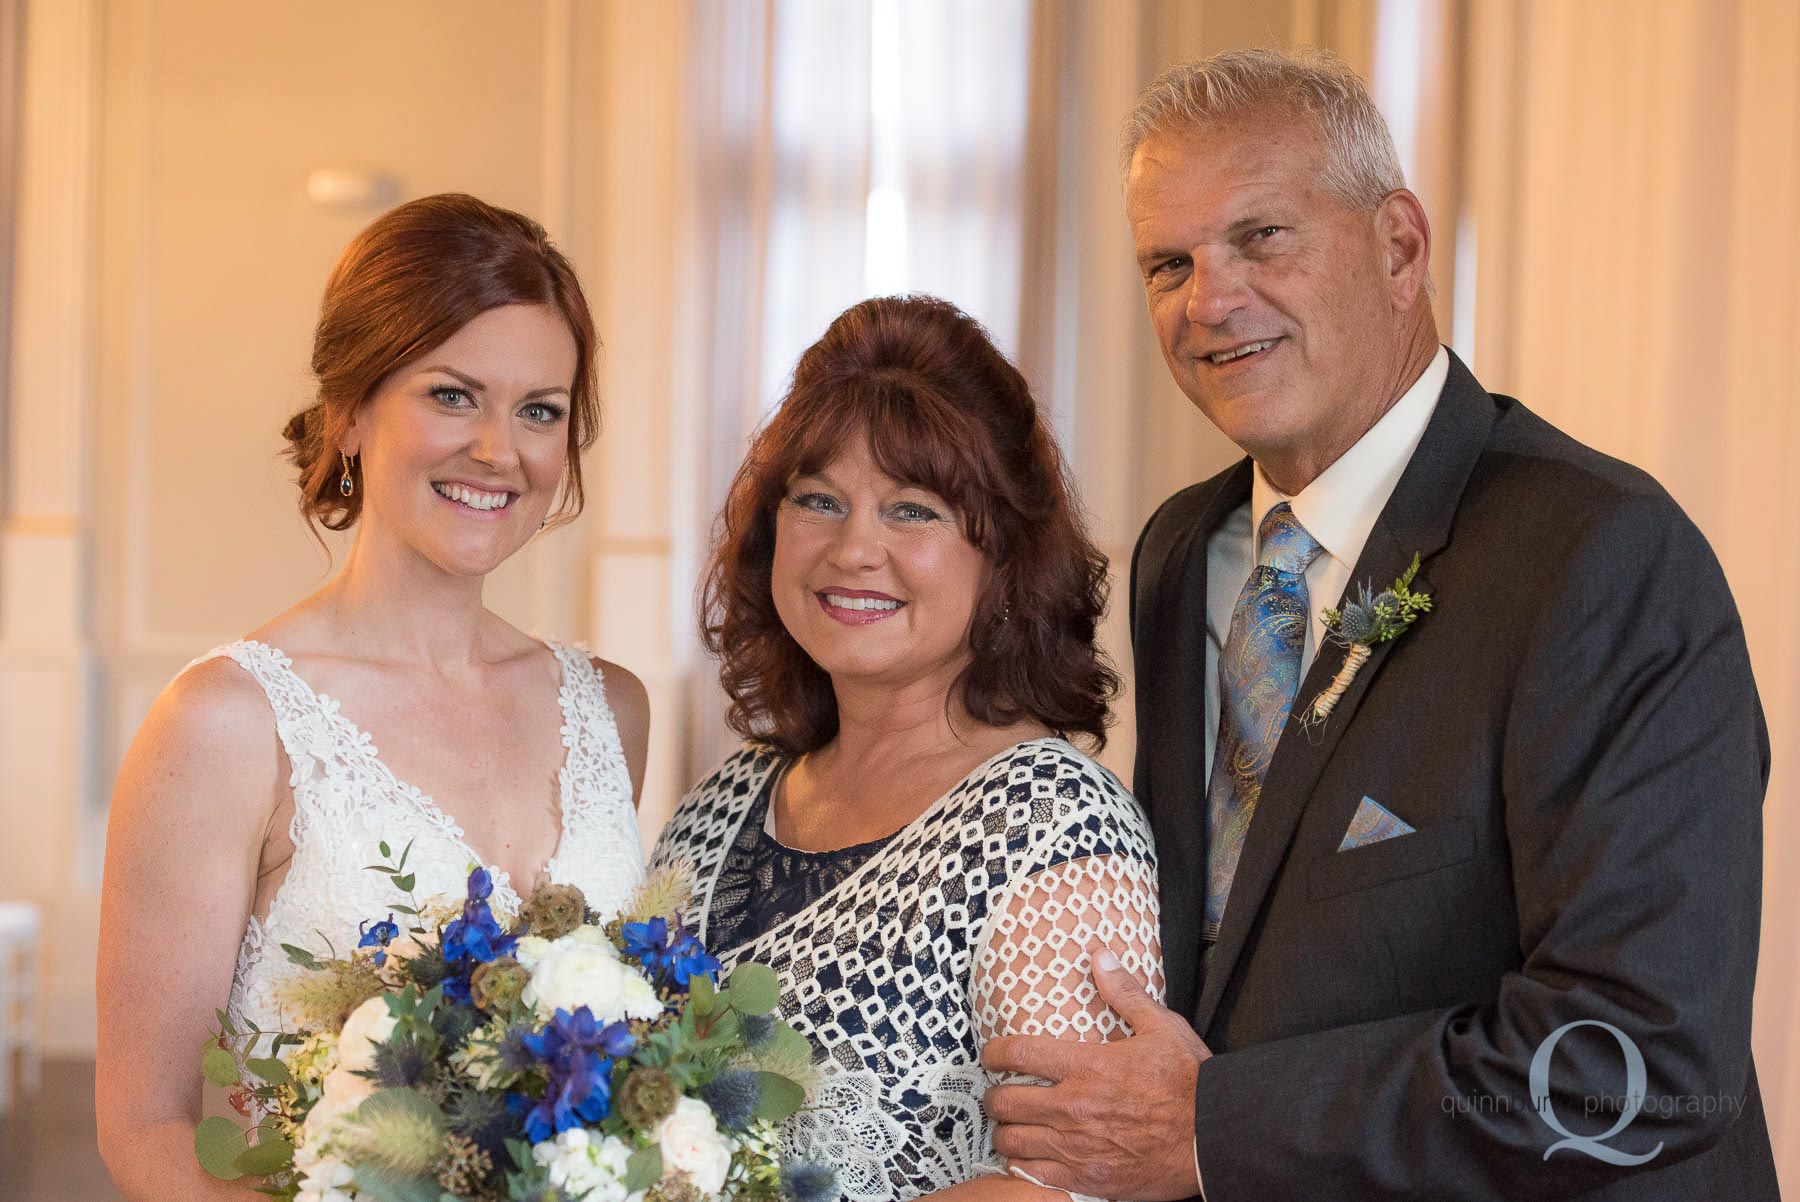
(1485,924)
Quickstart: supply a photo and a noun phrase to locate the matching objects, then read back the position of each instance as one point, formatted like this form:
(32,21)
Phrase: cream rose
(587,932)
(530,950)
(322,1119)
(572,974)
(693,1147)
(367,1028)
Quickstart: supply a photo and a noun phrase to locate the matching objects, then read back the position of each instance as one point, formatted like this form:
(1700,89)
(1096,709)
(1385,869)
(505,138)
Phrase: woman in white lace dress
(454,357)
(904,603)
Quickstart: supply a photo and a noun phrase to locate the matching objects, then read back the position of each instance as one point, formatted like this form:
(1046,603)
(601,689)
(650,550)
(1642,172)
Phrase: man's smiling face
(1270,295)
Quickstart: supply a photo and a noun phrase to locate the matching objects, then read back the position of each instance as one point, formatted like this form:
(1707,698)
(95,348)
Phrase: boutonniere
(1366,621)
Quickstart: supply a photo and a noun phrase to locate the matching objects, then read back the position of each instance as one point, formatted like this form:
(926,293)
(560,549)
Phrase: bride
(454,356)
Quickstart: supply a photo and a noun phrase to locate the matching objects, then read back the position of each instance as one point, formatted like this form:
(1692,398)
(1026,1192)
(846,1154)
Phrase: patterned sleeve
(1088,875)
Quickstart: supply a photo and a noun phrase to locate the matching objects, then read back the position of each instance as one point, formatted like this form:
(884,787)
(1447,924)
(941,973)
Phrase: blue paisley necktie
(1259,672)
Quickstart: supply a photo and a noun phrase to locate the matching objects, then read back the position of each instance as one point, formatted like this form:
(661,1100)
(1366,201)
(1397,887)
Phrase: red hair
(941,409)
(406,284)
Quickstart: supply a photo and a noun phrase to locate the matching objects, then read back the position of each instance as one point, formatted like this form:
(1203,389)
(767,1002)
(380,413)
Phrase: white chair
(19,926)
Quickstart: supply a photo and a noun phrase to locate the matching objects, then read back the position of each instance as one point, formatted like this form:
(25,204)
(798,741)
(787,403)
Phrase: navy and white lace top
(971,922)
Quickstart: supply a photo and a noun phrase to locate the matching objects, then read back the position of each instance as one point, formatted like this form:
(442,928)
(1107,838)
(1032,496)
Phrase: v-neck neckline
(737,828)
(356,736)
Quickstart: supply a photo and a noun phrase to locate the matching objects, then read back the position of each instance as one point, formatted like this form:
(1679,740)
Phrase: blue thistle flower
(732,1097)
(802,1182)
(1357,624)
(512,1054)
(757,1029)
(399,1063)
(483,1119)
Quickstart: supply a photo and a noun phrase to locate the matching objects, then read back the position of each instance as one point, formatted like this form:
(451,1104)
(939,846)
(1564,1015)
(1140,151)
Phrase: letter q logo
(1593,1145)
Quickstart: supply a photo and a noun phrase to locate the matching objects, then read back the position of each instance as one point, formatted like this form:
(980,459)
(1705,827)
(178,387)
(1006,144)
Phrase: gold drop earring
(346,483)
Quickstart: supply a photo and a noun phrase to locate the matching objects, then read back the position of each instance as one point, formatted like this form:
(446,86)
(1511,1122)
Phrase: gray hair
(1361,165)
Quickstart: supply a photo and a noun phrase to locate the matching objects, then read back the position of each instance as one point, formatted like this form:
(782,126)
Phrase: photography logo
(1631,1103)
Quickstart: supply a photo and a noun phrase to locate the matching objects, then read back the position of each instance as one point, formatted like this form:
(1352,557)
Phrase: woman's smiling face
(462,450)
(876,579)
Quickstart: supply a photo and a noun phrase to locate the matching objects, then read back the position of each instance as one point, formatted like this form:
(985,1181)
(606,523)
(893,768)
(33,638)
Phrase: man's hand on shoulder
(1117,1119)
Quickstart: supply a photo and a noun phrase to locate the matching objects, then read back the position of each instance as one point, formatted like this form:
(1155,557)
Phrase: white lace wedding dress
(971,922)
(347,802)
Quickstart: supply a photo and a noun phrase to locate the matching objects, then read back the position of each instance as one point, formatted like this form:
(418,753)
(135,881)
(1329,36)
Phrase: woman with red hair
(904,603)
(454,357)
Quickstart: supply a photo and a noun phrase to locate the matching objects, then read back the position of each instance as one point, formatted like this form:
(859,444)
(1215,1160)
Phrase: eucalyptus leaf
(780,1098)
(644,1168)
(785,1046)
(300,956)
(701,995)
(754,989)
(405,883)
(271,1070)
(270,1155)
(217,1144)
(384,848)
(724,1031)
(219,1067)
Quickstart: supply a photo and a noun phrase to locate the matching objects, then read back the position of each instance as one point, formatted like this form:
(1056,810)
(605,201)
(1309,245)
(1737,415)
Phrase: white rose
(315,1133)
(640,996)
(344,1091)
(692,1145)
(530,950)
(588,933)
(322,1176)
(571,975)
(367,1028)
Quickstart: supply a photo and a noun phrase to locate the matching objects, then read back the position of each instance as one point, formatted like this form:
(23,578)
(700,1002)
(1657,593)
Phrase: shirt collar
(1339,508)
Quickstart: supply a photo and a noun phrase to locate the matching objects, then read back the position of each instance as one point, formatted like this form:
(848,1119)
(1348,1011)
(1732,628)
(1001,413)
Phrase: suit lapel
(1417,518)
(1178,769)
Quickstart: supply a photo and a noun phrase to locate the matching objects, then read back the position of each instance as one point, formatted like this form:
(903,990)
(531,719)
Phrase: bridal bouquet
(565,1056)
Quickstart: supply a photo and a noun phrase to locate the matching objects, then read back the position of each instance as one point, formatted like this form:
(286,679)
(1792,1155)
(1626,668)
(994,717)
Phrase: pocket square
(1373,823)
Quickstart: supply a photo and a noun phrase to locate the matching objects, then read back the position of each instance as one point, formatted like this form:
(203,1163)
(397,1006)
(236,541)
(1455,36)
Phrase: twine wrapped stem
(1327,701)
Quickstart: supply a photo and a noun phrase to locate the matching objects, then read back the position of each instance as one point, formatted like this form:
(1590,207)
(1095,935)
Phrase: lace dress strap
(589,732)
(602,849)
(301,722)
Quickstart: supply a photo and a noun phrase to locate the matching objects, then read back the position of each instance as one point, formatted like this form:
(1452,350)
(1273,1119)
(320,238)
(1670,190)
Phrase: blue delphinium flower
(379,934)
(473,939)
(671,957)
(577,1054)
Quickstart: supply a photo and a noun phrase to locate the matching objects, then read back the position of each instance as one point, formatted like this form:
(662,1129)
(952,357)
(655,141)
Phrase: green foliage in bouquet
(467,1059)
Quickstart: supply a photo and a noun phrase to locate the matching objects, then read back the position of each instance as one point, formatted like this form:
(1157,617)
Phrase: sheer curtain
(840,150)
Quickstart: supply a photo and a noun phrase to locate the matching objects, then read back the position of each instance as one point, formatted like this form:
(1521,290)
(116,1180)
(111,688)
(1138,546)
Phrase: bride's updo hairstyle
(406,284)
(943,410)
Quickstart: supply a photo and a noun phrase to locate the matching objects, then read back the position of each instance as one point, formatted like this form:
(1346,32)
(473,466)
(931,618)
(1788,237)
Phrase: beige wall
(167,287)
